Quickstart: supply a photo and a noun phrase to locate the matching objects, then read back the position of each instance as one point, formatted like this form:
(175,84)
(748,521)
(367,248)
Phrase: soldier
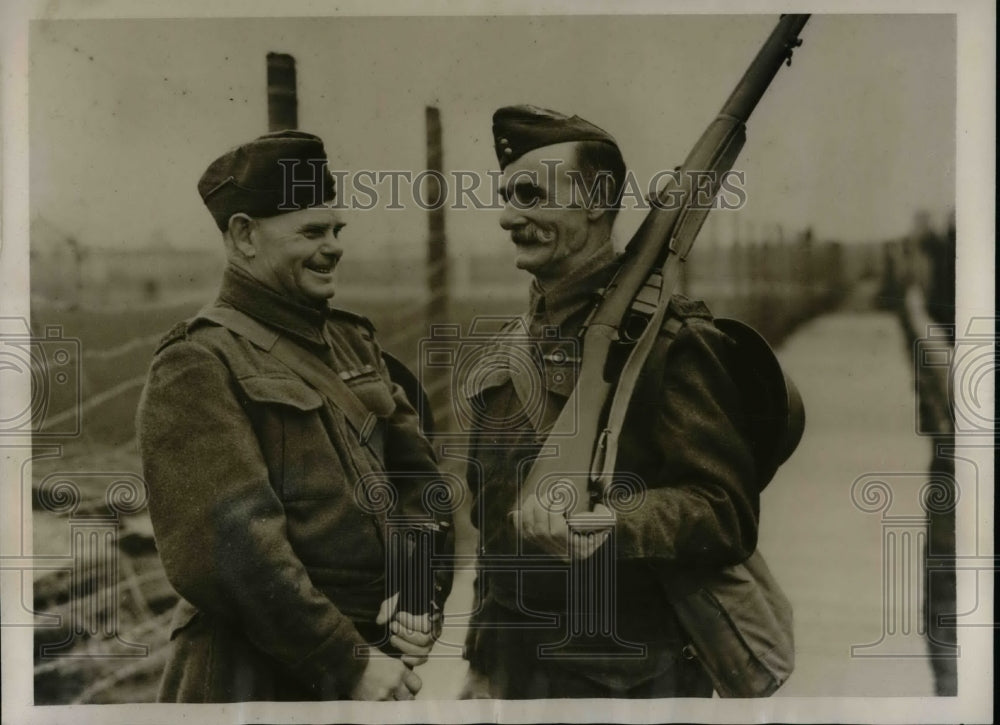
(262,422)
(685,440)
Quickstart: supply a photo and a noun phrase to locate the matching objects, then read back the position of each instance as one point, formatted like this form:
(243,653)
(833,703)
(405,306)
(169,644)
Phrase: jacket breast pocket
(373,392)
(306,443)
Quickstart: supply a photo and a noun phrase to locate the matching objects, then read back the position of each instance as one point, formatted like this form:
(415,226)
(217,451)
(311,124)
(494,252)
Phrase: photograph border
(975,213)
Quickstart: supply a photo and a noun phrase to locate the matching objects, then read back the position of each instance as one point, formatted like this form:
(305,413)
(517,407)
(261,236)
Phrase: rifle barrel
(777,49)
(664,238)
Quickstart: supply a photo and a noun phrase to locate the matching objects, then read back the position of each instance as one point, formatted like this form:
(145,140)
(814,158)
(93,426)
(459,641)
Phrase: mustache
(531,234)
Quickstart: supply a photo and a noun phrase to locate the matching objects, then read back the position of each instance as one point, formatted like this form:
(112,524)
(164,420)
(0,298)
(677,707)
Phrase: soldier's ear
(241,229)
(596,212)
(602,200)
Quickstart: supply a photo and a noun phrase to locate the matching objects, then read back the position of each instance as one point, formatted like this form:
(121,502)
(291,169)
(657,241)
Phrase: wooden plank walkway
(855,375)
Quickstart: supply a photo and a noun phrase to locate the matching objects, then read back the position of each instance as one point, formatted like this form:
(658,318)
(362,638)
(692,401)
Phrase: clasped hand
(412,634)
(388,678)
(550,531)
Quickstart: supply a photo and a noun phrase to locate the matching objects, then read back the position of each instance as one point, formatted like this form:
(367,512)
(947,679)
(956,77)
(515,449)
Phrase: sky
(851,140)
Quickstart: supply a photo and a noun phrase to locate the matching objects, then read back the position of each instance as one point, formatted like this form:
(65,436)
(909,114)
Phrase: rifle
(413,545)
(417,545)
(660,245)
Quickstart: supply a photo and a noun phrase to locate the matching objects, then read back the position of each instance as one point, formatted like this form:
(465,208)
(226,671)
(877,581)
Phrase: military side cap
(774,408)
(520,129)
(276,173)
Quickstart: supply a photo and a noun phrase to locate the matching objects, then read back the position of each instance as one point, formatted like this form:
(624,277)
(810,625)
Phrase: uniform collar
(572,294)
(246,294)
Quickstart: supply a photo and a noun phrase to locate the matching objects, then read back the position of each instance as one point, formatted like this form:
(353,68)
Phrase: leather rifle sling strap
(668,324)
(322,378)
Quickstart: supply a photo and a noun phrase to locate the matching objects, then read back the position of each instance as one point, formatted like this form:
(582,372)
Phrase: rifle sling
(306,365)
(605,457)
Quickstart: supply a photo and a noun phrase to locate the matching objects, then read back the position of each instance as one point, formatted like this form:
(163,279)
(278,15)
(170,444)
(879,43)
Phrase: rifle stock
(418,544)
(662,242)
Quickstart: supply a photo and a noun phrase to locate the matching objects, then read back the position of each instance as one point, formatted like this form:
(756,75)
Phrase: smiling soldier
(261,418)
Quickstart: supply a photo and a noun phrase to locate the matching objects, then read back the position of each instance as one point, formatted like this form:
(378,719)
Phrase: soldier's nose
(511,217)
(331,247)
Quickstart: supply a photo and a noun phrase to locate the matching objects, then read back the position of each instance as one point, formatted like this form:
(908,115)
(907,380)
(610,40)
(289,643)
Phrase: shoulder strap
(304,364)
(669,324)
(400,374)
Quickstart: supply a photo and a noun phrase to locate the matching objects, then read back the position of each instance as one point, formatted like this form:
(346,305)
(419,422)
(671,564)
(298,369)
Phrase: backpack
(737,619)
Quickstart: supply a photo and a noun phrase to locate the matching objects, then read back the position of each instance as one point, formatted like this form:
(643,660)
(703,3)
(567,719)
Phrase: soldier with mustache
(684,440)
(255,467)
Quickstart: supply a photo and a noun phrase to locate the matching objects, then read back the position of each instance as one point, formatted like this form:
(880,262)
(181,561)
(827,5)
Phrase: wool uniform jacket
(256,497)
(683,449)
